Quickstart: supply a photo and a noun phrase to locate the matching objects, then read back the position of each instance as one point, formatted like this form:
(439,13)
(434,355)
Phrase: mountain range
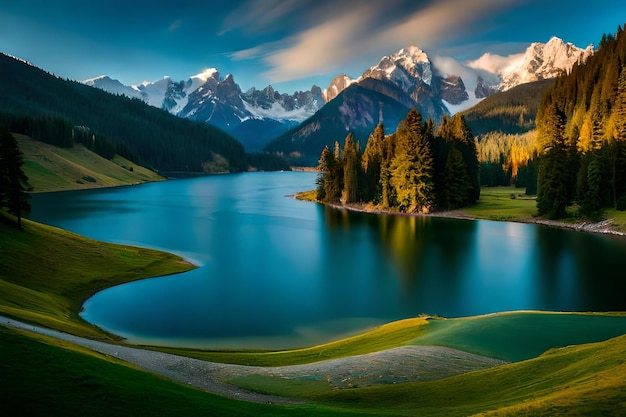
(298,125)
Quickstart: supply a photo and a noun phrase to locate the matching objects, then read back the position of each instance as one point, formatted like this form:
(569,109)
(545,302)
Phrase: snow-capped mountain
(208,98)
(461,85)
(434,85)
(544,61)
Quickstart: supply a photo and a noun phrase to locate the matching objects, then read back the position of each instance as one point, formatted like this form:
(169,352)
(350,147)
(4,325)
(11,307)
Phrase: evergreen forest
(414,170)
(581,135)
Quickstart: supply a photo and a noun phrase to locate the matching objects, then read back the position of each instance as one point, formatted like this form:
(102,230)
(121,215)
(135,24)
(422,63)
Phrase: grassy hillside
(46,273)
(50,168)
(45,377)
(570,381)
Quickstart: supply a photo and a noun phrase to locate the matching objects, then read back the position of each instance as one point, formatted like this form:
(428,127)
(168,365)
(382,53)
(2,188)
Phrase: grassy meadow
(50,168)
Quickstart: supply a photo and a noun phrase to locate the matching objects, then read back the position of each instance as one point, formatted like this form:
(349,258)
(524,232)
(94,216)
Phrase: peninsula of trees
(414,170)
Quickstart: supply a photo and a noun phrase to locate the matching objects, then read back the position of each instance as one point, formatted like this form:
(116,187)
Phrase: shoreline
(601,227)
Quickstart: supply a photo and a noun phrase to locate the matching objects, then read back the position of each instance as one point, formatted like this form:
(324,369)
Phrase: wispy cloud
(327,45)
(250,53)
(175,25)
(255,15)
(496,63)
(320,49)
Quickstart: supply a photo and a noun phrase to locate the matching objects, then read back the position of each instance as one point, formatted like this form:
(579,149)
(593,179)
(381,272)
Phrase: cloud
(358,30)
(496,63)
(320,49)
(250,53)
(255,15)
(175,25)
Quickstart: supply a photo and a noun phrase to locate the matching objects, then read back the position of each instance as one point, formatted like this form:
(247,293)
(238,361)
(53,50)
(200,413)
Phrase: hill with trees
(504,124)
(63,112)
(508,112)
(581,139)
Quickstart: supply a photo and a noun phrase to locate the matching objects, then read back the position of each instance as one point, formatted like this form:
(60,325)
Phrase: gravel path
(403,364)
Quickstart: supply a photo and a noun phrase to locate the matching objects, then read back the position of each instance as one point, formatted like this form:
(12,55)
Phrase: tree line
(414,170)
(581,139)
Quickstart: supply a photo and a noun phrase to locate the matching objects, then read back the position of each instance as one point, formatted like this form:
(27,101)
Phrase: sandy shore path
(403,364)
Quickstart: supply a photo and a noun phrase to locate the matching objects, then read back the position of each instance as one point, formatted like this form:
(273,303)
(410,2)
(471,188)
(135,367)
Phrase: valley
(459,251)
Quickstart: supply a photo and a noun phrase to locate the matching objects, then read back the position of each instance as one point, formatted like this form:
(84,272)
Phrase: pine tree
(412,166)
(553,176)
(330,178)
(386,189)
(372,163)
(13,181)
(456,180)
(350,192)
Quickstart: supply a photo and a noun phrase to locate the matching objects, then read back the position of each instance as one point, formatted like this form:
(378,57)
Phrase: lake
(276,272)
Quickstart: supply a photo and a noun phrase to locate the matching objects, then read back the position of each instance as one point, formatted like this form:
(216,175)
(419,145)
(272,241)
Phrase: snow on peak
(414,53)
(93,80)
(404,68)
(540,61)
(337,85)
(543,61)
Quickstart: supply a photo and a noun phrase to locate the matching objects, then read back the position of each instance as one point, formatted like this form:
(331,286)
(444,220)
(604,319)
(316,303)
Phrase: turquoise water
(276,272)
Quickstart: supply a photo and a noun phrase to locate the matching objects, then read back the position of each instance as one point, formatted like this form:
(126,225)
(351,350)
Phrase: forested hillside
(63,112)
(504,124)
(509,112)
(582,135)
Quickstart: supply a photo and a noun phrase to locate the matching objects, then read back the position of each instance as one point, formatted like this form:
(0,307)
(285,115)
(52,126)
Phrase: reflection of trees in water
(418,247)
(580,271)
(429,252)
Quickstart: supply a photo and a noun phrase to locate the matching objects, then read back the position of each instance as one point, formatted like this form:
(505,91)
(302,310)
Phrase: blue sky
(290,44)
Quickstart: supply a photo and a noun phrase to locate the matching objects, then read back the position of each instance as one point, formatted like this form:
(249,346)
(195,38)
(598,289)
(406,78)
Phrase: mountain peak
(542,61)
(404,68)
(415,53)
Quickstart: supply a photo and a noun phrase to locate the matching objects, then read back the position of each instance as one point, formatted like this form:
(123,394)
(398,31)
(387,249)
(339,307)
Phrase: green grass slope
(46,273)
(50,168)
(573,381)
(517,336)
(48,378)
